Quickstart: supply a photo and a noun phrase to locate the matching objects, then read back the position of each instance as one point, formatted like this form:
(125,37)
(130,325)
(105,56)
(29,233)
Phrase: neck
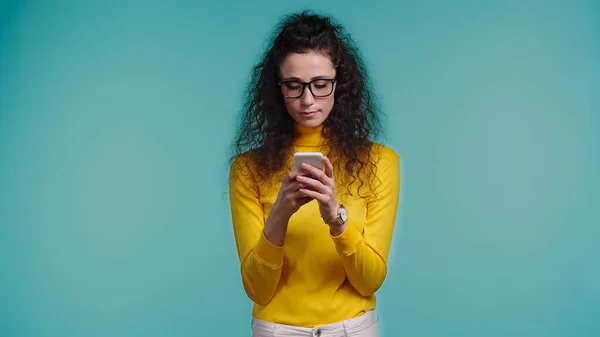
(306,136)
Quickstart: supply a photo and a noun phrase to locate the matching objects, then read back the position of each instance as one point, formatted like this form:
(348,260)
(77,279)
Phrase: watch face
(343,214)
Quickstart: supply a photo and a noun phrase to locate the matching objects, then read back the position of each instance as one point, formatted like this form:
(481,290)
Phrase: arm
(261,261)
(364,256)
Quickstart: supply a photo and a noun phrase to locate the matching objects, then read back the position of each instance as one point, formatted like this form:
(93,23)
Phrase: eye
(292,85)
(321,84)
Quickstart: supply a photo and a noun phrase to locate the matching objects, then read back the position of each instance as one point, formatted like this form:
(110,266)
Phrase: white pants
(361,326)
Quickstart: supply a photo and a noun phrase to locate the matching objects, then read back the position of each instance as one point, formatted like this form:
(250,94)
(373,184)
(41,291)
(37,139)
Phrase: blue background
(115,124)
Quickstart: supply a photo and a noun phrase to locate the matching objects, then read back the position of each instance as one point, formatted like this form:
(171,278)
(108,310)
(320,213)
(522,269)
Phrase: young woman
(313,244)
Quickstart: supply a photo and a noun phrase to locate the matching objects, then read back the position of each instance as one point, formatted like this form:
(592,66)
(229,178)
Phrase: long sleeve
(261,262)
(364,255)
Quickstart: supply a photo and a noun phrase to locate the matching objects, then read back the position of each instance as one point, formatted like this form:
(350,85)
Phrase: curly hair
(266,130)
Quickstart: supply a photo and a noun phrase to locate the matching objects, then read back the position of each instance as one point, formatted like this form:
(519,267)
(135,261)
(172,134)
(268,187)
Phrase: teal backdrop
(115,124)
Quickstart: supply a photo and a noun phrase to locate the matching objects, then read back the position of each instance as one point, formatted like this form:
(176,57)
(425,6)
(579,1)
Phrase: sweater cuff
(268,254)
(346,243)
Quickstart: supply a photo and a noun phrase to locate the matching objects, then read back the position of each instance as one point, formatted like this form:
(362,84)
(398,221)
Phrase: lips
(307,113)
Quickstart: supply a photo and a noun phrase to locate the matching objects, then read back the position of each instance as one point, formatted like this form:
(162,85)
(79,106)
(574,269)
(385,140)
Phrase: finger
(311,183)
(303,201)
(301,197)
(291,176)
(328,167)
(316,173)
(314,195)
(293,186)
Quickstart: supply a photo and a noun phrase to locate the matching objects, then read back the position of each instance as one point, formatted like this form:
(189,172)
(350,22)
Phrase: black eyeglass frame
(308,84)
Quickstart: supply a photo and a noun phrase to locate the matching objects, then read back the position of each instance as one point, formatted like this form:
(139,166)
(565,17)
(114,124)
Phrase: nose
(307,97)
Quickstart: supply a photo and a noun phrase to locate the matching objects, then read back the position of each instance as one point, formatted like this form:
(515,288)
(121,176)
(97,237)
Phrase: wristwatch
(341,217)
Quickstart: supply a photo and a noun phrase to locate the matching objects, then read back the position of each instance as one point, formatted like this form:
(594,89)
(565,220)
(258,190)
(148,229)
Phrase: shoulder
(242,165)
(240,161)
(384,155)
(244,160)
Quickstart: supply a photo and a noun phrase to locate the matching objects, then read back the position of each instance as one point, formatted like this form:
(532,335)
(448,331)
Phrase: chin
(313,123)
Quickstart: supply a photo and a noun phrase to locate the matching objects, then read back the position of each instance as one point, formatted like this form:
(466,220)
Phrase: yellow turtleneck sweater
(315,278)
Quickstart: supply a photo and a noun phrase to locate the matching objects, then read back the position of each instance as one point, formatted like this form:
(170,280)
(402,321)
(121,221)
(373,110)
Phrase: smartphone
(312,158)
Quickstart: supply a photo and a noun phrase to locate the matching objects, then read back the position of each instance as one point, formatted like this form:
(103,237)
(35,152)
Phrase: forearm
(365,267)
(275,228)
(261,271)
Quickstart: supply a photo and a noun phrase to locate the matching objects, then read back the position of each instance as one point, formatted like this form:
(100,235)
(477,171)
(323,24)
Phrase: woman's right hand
(289,200)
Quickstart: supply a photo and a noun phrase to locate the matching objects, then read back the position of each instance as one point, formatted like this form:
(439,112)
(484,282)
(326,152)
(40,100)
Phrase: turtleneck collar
(309,136)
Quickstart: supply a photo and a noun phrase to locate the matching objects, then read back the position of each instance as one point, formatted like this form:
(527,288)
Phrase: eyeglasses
(321,87)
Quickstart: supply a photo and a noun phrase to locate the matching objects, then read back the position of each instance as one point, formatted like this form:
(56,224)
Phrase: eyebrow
(320,77)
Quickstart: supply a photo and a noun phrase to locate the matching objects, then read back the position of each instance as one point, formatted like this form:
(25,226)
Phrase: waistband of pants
(344,328)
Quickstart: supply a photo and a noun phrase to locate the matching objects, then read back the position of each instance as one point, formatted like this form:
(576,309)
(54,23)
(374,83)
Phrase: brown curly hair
(266,130)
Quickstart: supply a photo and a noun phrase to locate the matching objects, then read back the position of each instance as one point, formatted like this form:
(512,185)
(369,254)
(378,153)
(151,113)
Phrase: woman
(313,244)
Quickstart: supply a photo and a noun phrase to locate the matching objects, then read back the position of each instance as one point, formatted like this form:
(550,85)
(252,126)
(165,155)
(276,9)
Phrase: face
(308,110)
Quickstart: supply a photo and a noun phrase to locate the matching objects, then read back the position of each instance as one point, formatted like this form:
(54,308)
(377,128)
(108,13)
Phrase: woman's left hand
(321,187)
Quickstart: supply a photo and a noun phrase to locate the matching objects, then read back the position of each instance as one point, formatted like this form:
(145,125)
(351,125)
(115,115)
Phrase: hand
(321,188)
(290,198)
